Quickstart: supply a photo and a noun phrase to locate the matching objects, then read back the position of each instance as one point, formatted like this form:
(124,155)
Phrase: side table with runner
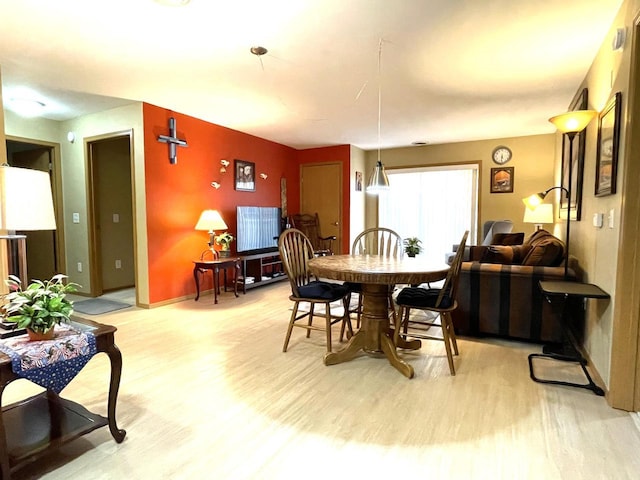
(31,428)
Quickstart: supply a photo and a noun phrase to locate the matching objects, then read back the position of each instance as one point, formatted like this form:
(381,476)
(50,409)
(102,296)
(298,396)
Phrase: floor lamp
(569,123)
(26,204)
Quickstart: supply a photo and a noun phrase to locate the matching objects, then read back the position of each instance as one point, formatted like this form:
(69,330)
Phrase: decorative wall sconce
(215,185)
(263,176)
(225,164)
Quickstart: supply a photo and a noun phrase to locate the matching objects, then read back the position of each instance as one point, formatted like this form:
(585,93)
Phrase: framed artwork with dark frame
(608,142)
(502,179)
(580,102)
(245,175)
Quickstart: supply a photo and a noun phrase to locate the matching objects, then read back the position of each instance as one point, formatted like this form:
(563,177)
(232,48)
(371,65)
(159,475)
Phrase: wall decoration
(173,141)
(245,176)
(608,141)
(580,102)
(358,181)
(502,179)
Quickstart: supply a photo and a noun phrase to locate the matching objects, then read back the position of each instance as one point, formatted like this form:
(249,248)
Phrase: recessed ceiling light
(172,3)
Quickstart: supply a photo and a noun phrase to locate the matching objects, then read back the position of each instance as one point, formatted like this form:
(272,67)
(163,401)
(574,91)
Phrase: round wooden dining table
(376,273)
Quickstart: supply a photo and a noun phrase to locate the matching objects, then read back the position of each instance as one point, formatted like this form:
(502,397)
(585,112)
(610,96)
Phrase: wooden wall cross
(172,140)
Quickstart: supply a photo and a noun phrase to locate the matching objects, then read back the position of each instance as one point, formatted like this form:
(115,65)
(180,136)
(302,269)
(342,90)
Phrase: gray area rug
(98,306)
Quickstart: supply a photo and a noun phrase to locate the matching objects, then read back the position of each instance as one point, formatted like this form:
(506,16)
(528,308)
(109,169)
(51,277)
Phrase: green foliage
(412,246)
(224,239)
(41,305)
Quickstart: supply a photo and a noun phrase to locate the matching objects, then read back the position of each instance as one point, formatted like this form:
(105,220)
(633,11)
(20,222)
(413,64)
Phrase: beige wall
(533,162)
(357,206)
(73,156)
(598,249)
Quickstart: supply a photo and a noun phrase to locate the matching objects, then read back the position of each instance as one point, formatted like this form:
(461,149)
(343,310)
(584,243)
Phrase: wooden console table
(33,427)
(199,266)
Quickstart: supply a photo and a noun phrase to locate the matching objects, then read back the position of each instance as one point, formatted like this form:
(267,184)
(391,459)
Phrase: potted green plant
(412,246)
(224,240)
(40,306)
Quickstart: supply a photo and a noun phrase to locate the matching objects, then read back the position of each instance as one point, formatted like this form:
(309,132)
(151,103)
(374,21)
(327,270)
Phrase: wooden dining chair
(441,301)
(295,252)
(375,241)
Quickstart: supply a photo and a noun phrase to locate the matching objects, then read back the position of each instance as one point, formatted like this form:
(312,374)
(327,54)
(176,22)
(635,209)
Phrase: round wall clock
(501,154)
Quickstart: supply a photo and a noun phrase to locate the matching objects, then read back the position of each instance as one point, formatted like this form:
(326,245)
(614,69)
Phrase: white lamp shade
(379,182)
(26,202)
(210,220)
(543,213)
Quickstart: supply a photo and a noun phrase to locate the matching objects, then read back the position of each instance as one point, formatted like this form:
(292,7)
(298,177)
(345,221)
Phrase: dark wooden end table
(33,427)
(199,266)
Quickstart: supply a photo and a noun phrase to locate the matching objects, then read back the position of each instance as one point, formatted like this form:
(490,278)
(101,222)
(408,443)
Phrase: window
(435,204)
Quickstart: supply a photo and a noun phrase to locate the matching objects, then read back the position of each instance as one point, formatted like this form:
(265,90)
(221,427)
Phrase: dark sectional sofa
(498,293)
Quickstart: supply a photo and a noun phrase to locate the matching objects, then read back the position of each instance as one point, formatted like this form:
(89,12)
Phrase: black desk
(570,351)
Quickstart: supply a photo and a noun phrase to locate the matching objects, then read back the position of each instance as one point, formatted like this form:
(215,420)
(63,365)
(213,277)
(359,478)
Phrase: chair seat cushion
(353,287)
(416,297)
(323,290)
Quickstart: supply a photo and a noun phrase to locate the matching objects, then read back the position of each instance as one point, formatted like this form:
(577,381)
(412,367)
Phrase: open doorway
(45,249)
(111,214)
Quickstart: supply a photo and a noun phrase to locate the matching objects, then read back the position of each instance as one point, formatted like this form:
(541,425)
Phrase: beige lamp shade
(574,121)
(26,202)
(210,220)
(543,213)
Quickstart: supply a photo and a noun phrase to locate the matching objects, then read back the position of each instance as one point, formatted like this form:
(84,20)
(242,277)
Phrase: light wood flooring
(207,393)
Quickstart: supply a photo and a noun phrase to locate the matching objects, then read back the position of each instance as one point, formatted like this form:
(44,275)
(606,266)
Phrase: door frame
(58,199)
(95,276)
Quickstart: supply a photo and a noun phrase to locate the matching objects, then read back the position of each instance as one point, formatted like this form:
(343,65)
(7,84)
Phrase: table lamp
(542,214)
(210,220)
(26,204)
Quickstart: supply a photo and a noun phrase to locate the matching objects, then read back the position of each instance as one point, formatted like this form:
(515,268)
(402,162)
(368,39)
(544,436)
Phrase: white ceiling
(452,70)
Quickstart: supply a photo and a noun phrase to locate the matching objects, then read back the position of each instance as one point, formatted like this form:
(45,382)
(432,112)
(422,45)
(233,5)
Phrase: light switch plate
(611,218)
(76,217)
(598,219)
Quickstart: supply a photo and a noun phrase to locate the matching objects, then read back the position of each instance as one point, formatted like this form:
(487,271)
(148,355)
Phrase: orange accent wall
(339,153)
(177,194)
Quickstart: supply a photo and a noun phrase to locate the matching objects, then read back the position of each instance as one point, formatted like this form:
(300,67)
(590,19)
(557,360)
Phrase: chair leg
(310,323)
(359,314)
(328,322)
(346,319)
(294,312)
(452,333)
(447,343)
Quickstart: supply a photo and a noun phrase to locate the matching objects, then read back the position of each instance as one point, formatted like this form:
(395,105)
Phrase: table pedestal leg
(374,337)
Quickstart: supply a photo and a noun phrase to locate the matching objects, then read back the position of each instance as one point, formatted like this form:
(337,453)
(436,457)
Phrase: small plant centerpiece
(224,240)
(412,246)
(40,306)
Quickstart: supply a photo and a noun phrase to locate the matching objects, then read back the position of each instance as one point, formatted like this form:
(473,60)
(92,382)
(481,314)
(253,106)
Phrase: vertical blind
(435,204)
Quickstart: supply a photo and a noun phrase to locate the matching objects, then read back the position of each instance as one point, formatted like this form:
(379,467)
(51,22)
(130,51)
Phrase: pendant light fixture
(378,182)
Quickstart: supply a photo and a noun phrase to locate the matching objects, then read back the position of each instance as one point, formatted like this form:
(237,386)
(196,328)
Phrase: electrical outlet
(116,218)
(118,263)
(80,267)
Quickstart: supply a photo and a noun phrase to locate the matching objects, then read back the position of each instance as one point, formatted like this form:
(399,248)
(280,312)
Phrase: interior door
(41,245)
(321,192)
